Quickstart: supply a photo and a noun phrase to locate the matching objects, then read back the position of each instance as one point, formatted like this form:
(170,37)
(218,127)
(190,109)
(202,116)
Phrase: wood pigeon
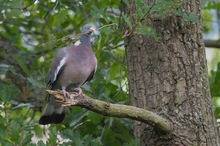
(71,68)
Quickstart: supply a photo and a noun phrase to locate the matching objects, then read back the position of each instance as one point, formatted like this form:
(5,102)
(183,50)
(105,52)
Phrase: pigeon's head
(87,29)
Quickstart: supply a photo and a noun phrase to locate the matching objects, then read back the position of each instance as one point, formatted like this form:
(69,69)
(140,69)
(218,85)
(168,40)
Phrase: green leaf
(15,10)
(192,18)
(41,143)
(27,139)
(38,131)
(119,54)
(2,120)
(122,133)
(3,130)
(95,118)
(8,92)
(35,83)
(73,136)
(78,116)
(206,23)
(145,30)
(114,71)
(90,141)
(107,30)
(127,20)
(21,105)
(158,6)
(109,140)
(127,2)
(132,142)
(140,4)
(14,13)
(173,5)
(14,130)
(16,4)
(97,12)
(215,6)
(53,136)
(21,62)
(60,17)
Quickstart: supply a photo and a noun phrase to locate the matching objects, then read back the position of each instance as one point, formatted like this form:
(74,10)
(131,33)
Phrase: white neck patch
(77,43)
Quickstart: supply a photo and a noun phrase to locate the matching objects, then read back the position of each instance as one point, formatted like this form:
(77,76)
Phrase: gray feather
(56,67)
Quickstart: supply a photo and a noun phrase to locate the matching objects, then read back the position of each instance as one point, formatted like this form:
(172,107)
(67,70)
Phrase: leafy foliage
(213,6)
(214,80)
(37,29)
(156,9)
(207,23)
(147,31)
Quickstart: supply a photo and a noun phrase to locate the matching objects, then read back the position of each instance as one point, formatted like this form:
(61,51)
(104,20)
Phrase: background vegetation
(31,33)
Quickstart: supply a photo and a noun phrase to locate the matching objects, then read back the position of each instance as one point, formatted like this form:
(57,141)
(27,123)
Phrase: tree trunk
(169,77)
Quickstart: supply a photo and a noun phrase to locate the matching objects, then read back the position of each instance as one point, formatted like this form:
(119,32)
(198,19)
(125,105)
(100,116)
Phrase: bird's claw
(65,94)
(67,102)
(79,92)
(67,99)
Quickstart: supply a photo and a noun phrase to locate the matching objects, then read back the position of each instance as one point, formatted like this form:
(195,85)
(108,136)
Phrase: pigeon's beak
(92,29)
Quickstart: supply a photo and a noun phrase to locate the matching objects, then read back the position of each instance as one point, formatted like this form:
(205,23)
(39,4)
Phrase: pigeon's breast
(77,69)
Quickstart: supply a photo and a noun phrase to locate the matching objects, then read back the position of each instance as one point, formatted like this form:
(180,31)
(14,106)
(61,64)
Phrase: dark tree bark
(169,77)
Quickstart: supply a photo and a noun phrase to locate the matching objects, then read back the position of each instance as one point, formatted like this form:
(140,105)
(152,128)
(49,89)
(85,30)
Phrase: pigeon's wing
(56,67)
(90,76)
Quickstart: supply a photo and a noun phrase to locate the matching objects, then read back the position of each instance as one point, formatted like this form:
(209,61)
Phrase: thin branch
(47,14)
(114,110)
(108,25)
(73,36)
(212,43)
(25,8)
(137,22)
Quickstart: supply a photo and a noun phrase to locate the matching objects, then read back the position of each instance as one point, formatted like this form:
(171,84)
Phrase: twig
(114,110)
(25,8)
(212,43)
(137,22)
(108,25)
(47,14)
(71,36)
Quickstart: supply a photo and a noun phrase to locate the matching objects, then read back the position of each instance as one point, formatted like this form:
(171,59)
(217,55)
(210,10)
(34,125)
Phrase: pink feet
(79,92)
(65,94)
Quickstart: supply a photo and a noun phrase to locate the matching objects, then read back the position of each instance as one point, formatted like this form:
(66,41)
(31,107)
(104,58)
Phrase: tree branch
(114,110)
(212,43)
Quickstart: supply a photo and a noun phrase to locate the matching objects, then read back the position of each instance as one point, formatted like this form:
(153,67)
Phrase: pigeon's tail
(53,113)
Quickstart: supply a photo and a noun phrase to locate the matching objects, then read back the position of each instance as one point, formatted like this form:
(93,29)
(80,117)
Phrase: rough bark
(169,77)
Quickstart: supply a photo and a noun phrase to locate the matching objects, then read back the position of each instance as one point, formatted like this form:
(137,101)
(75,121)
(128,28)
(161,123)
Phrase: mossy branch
(114,110)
